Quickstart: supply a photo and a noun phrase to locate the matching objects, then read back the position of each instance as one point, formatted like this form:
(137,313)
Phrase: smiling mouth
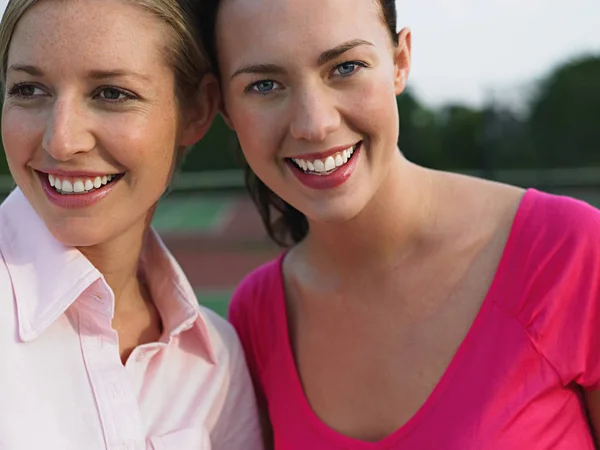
(80,185)
(325,166)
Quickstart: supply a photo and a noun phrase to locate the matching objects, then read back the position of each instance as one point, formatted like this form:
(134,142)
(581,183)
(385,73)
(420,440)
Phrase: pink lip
(69,174)
(323,155)
(75,201)
(334,179)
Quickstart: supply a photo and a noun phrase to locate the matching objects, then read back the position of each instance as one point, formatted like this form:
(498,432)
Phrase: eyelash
(127,94)
(358,64)
(14,91)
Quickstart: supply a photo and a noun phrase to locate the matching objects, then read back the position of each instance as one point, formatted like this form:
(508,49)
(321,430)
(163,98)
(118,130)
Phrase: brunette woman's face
(310,88)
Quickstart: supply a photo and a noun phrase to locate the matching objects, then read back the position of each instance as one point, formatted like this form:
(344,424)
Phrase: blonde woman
(103,343)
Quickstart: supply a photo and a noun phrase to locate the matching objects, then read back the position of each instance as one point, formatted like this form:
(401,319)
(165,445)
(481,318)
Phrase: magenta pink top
(516,379)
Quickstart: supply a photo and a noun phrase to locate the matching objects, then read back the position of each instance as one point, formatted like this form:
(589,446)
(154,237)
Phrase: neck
(118,261)
(397,220)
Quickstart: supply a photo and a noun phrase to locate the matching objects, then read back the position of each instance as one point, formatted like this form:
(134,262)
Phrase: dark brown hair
(284,224)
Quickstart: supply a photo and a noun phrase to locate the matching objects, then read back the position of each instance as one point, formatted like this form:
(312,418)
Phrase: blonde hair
(185,52)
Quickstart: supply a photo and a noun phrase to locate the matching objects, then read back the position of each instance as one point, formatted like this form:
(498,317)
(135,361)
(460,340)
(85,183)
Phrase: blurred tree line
(561,128)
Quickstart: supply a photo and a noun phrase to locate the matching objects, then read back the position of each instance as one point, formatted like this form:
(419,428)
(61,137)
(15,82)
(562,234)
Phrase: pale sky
(468,50)
(464,49)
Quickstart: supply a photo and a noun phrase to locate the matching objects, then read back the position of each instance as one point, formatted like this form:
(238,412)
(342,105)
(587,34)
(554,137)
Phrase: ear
(200,112)
(402,54)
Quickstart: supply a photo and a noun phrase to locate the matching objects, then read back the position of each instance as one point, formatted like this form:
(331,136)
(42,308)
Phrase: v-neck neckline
(298,395)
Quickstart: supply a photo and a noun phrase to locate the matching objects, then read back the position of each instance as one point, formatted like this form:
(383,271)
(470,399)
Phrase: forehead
(251,29)
(88,33)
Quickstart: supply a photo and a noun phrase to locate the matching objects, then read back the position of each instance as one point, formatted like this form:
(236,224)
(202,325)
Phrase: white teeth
(67,186)
(329,164)
(78,185)
(339,161)
(319,166)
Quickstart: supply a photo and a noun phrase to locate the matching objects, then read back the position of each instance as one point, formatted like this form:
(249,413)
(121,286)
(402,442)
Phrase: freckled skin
(69,128)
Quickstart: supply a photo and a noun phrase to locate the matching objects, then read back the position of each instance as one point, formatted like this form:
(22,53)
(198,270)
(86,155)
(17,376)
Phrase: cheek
(22,135)
(372,109)
(257,131)
(142,141)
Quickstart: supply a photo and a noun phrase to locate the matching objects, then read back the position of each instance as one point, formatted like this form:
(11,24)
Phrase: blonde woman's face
(90,118)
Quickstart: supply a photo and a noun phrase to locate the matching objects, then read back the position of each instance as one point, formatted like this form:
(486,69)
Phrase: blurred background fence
(551,142)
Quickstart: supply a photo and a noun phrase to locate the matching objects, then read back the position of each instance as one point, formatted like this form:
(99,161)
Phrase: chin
(78,235)
(334,213)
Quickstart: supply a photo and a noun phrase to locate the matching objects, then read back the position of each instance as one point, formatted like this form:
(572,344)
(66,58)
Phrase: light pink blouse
(62,383)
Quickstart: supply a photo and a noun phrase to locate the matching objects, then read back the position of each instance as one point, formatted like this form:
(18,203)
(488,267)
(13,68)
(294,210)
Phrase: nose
(67,132)
(314,116)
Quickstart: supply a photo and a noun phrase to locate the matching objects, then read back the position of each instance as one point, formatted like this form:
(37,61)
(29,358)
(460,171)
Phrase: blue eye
(263,86)
(114,95)
(348,68)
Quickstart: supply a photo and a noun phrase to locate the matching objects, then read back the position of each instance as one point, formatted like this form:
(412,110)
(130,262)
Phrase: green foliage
(565,115)
(219,149)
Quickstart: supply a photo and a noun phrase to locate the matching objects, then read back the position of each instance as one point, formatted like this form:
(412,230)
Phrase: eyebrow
(104,74)
(325,57)
(31,70)
(333,53)
(94,74)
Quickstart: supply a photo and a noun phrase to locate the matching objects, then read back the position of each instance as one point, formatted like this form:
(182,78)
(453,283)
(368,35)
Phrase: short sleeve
(560,298)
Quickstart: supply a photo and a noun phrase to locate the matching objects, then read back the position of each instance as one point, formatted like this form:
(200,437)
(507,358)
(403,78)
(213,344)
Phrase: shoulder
(557,213)
(253,294)
(558,297)
(555,258)
(6,284)
(255,303)
(223,337)
(556,231)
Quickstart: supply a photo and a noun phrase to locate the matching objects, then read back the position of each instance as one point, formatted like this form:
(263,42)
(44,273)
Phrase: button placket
(115,397)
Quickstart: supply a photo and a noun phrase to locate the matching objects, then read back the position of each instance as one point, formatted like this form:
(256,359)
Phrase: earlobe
(402,57)
(200,113)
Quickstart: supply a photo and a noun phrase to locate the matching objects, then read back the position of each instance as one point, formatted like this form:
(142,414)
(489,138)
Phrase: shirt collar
(172,293)
(47,276)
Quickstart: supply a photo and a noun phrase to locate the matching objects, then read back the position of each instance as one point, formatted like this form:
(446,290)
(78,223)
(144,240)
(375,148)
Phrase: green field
(218,301)
(203,214)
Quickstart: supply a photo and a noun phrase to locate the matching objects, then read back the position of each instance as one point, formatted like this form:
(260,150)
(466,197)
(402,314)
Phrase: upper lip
(324,154)
(78,173)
